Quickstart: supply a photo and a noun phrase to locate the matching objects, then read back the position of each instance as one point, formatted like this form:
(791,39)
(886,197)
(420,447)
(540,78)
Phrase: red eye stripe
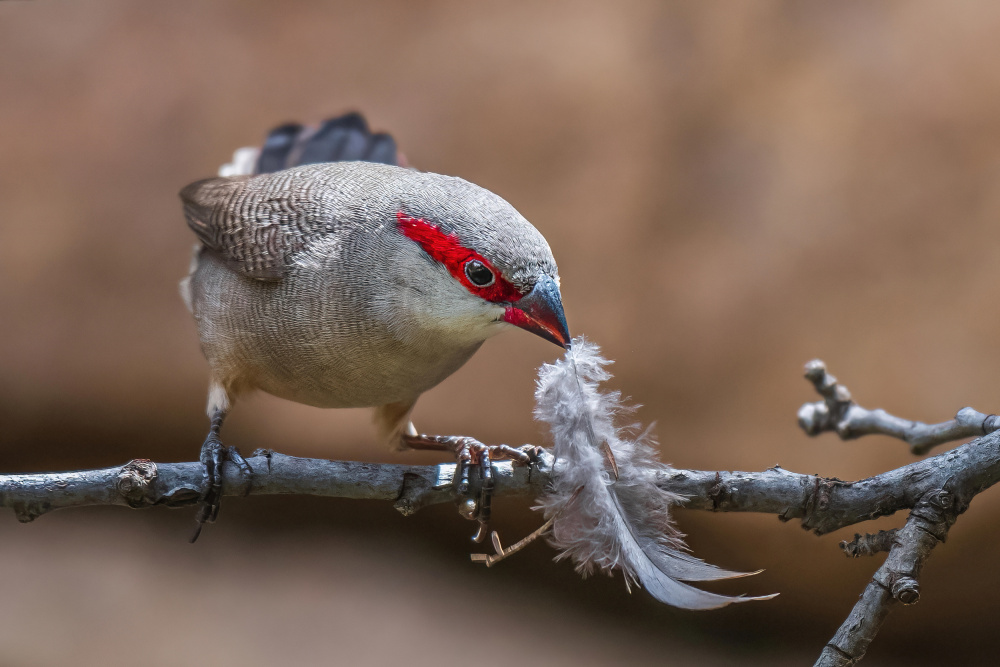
(447,250)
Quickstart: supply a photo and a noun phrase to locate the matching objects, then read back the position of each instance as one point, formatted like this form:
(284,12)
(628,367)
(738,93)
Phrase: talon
(486,470)
(533,452)
(469,451)
(481,532)
(485,493)
(233,455)
(464,464)
(213,455)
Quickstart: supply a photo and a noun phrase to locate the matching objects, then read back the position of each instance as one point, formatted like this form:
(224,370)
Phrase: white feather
(243,163)
(602,522)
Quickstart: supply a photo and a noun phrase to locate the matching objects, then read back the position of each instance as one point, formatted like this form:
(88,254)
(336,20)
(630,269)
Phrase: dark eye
(478,274)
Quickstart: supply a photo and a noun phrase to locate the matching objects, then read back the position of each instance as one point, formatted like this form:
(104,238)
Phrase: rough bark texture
(823,504)
(142,483)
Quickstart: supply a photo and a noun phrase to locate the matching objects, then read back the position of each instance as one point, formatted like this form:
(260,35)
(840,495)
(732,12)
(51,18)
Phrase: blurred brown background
(730,190)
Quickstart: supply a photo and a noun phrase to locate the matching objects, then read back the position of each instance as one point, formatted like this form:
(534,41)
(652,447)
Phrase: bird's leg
(213,455)
(468,452)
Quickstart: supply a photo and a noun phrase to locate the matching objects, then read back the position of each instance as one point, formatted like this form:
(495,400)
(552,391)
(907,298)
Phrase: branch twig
(839,413)
(896,581)
(869,544)
(940,499)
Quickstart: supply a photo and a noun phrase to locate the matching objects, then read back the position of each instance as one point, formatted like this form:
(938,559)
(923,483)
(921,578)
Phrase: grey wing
(256,225)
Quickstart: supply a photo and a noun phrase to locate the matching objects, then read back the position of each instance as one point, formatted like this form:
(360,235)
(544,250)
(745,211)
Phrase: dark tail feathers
(340,139)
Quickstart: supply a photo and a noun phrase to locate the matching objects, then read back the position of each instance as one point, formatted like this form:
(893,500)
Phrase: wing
(257,224)
(254,225)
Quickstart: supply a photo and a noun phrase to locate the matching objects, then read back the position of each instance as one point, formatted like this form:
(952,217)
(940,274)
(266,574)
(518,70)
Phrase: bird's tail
(608,511)
(342,139)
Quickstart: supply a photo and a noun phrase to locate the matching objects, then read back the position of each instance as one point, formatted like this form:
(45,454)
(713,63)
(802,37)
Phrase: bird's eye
(478,274)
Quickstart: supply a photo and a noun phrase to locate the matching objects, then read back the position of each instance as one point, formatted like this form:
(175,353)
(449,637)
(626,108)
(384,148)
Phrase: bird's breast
(314,338)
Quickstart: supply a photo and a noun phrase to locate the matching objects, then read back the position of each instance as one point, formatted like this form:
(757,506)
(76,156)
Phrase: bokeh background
(730,190)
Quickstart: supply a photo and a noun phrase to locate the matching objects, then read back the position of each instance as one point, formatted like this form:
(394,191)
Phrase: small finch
(329,275)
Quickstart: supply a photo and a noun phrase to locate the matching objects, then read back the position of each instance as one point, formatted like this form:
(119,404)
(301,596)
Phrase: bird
(331,273)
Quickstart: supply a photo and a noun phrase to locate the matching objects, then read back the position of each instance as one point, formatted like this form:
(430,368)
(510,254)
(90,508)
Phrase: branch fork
(839,413)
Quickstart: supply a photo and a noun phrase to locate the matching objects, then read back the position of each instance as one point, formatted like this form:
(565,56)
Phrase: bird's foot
(213,455)
(470,452)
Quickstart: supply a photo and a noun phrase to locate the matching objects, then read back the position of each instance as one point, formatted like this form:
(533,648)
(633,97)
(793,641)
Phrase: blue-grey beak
(540,311)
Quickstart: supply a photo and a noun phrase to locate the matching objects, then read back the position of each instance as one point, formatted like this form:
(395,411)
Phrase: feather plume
(608,511)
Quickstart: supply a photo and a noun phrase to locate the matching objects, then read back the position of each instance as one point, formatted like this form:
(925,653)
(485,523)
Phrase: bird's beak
(540,311)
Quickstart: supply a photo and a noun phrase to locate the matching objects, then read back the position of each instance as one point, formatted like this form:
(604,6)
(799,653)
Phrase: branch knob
(906,590)
(134,480)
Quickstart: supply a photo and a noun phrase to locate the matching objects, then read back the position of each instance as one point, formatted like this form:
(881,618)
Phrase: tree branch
(940,500)
(142,483)
(823,504)
(936,490)
(839,413)
(869,544)
(894,582)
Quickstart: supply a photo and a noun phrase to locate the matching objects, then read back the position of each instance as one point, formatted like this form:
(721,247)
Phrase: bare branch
(896,581)
(869,544)
(823,504)
(490,560)
(142,483)
(839,413)
(940,498)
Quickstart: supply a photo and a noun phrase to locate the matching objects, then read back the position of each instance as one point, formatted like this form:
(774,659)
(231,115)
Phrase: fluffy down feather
(608,511)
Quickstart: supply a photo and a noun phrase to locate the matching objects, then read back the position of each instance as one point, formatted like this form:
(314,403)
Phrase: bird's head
(481,264)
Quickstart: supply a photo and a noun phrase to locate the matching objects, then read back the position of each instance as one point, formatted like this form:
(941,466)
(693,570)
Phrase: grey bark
(822,504)
(839,413)
(142,483)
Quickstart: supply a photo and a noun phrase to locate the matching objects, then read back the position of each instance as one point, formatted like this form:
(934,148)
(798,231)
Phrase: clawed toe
(470,452)
(213,455)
